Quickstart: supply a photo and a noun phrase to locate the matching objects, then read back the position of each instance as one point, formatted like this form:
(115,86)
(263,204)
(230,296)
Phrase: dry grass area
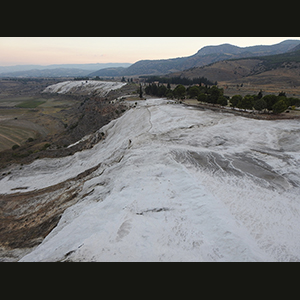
(253,74)
(10,136)
(22,118)
(52,121)
(231,89)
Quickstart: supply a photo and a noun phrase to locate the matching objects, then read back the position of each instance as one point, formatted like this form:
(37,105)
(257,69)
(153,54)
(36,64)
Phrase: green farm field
(30,103)
(10,136)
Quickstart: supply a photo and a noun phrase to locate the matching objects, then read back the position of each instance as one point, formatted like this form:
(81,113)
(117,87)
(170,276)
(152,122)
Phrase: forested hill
(283,68)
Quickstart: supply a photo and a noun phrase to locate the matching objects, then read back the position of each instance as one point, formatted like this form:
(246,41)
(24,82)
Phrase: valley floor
(168,183)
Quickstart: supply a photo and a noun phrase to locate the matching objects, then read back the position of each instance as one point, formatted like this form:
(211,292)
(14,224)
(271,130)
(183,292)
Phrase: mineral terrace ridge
(168,183)
(92,173)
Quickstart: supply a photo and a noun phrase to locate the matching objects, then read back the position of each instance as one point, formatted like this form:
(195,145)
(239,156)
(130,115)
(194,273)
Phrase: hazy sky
(67,50)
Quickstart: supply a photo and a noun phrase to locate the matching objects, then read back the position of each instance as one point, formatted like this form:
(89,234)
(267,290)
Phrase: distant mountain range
(57,70)
(204,56)
(280,70)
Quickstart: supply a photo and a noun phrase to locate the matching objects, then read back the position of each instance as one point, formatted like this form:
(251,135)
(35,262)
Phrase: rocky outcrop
(26,218)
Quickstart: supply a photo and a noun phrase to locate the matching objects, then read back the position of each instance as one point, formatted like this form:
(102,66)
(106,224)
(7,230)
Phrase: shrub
(202,97)
(260,104)
(179,91)
(72,126)
(14,147)
(222,101)
(45,146)
(279,107)
(235,100)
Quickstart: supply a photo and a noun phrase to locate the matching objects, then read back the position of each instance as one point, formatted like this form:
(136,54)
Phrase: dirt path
(9,139)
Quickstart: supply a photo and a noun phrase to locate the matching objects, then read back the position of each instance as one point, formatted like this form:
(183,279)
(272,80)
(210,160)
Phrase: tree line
(179,80)
(212,94)
(215,95)
(268,103)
